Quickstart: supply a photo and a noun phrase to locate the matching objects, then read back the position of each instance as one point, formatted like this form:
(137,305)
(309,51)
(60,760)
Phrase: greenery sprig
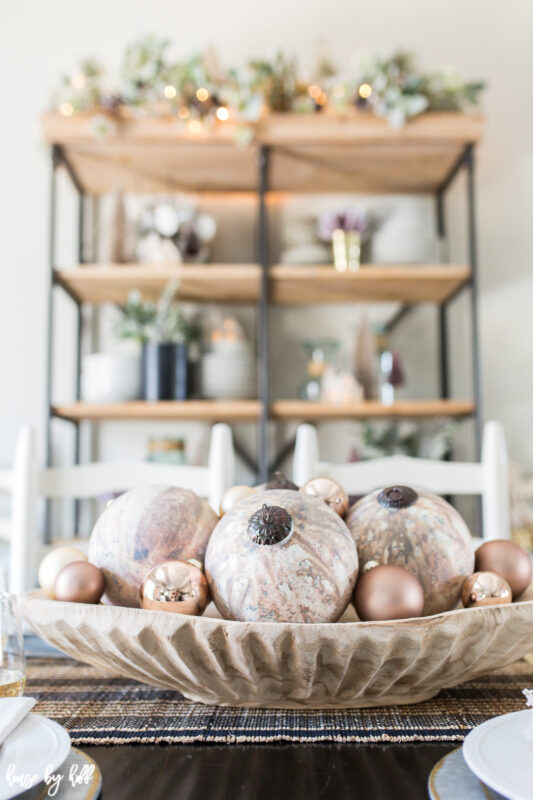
(199,93)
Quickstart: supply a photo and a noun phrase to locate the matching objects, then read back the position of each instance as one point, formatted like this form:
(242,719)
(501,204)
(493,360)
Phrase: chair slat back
(441,477)
(91,480)
(488,478)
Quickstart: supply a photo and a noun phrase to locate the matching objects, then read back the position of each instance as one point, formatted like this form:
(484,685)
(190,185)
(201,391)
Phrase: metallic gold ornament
(388,592)
(232,496)
(485,589)
(507,560)
(79,582)
(329,491)
(176,586)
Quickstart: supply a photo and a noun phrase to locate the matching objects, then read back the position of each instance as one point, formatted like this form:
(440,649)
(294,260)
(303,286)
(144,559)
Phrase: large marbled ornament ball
(143,528)
(419,531)
(281,556)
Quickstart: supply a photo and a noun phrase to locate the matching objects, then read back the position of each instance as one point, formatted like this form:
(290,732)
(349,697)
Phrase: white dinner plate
(500,755)
(38,744)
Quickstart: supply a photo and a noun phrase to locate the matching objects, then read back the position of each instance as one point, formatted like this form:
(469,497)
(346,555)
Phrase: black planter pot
(181,371)
(164,371)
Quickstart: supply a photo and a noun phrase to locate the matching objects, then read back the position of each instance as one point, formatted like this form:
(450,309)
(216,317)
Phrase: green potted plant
(164,333)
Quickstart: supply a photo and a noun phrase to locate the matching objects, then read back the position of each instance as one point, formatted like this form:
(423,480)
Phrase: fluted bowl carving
(286,665)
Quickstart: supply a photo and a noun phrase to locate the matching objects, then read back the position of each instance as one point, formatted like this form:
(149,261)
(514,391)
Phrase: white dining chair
(29,484)
(6,488)
(488,478)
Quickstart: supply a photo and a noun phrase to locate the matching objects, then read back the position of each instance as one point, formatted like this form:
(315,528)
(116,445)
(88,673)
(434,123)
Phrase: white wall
(484,38)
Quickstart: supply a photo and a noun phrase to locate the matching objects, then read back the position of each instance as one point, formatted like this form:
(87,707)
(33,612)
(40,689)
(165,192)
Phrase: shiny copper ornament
(176,586)
(485,589)
(79,582)
(388,592)
(232,496)
(507,560)
(329,491)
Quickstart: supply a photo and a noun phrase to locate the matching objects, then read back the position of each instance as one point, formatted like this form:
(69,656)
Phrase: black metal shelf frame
(265,465)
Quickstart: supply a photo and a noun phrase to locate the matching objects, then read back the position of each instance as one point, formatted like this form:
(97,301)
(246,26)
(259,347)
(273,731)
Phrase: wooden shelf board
(406,284)
(239,283)
(206,410)
(96,283)
(309,153)
(310,411)
(249,410)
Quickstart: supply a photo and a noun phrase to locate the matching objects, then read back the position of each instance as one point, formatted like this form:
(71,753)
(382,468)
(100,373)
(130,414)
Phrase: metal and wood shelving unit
(288,153)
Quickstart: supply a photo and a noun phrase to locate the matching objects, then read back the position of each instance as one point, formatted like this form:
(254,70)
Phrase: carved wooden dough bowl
(280,665)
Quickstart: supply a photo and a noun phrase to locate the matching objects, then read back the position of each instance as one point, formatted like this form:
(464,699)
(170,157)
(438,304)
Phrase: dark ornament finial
(269,525)
(279,481)
(397,497)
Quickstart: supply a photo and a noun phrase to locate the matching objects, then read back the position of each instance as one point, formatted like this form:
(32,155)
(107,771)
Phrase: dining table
(262,772)
(150,742)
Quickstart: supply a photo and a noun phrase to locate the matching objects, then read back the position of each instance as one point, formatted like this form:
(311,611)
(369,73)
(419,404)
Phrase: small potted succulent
(347,231)
(165,333)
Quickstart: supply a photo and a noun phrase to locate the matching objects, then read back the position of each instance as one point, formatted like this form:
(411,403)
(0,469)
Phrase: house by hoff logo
(76,777)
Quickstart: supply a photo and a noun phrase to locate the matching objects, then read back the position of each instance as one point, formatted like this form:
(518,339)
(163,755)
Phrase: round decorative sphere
(176,586)
(53,563)
(281,556)
(143,528)
(507,560)
(388,592)
(232,496)
(330,492)
(485,589)
(280,481)
(80,582)
(419,531)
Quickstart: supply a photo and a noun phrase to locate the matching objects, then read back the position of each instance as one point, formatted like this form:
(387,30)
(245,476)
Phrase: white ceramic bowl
(282,665)
(110,378)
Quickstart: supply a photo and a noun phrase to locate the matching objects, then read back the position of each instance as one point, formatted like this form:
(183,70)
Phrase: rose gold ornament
(485,589)
(79,582)
(232,496)
(388,592)
(176,586)
(507,560)
(329,491)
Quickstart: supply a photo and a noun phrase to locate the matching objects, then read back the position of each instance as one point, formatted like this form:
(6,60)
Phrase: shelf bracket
(402,312)
(244,455)
(284,452)
(61,158)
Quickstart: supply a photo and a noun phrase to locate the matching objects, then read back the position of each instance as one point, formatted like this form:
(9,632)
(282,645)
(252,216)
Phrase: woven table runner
(100,709)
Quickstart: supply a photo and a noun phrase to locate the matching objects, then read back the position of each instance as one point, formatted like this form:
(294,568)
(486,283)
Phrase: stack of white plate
(405,237)
(229,371)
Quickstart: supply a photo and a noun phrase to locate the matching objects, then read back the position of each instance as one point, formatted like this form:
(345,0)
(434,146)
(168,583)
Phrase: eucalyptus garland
(200,93)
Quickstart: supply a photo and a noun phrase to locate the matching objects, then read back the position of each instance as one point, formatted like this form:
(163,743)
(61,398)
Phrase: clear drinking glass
(12,663)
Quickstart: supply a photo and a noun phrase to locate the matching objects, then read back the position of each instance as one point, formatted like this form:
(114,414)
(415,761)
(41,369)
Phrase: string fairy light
(78,80)
(222,113)
(169,92)
(365,90)
(202,94)
(67,109)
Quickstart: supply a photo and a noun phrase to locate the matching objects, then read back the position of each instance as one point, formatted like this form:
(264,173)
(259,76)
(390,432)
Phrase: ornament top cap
(270,525)
(397,497)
